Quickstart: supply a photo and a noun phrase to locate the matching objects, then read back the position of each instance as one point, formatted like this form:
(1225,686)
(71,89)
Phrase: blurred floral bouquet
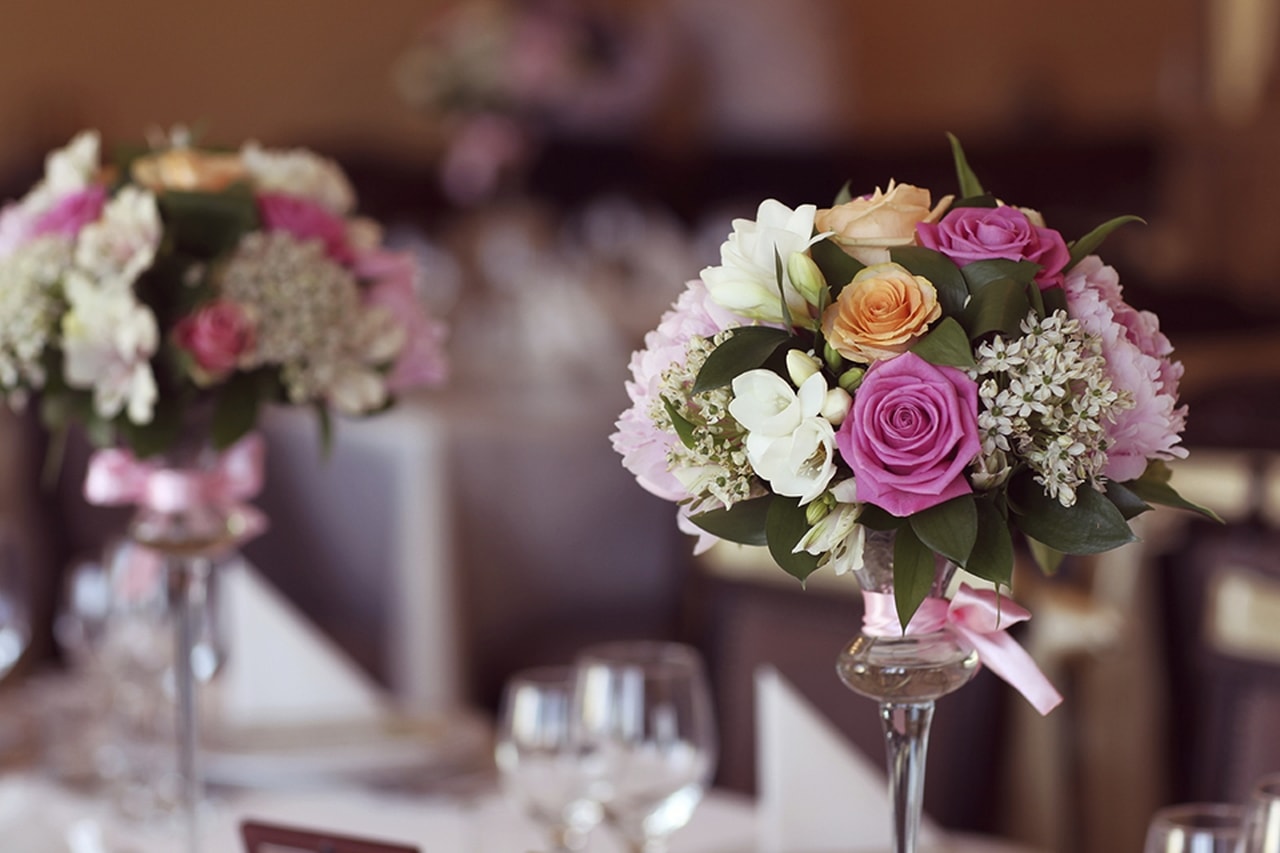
(182,284)
(953,370)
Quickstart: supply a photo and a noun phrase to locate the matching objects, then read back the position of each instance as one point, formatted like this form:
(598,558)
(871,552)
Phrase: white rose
(746,282)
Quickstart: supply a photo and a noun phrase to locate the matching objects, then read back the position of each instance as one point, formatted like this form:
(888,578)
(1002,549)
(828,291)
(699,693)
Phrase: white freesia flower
(301,173)
(837,538)
(766,404)
(789,444)
(746,282)
(799,465)
(122,244)
(108,339)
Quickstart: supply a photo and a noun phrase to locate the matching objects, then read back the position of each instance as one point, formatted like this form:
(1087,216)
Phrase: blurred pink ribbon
(115,477)
(982,618)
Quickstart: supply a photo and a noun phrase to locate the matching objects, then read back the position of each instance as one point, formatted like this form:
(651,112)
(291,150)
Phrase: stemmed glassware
(647,732)
(1262,818)
(538,756)
(1196,828)
(15,620)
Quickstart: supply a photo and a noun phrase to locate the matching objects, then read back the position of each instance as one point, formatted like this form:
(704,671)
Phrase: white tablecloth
(37,817)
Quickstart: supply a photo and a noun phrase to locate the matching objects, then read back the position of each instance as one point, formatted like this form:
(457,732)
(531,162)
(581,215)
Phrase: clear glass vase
(906,672)
(180,523)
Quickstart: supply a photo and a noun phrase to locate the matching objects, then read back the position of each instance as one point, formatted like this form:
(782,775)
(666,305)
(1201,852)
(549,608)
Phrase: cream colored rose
(880,313)
(188,169)
(867,228)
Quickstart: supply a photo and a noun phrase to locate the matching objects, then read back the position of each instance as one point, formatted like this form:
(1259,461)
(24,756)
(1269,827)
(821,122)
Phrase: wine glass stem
(184,599)
(906,735)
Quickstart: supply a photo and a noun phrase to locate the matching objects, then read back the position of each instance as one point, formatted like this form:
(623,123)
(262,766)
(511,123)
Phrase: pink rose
(306,220)
(968,234)
(71,213)
(216,336)
(912,433)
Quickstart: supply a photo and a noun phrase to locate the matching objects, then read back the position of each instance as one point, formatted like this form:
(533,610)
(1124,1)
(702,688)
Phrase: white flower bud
(851,379)
(800,366)
(807,279)
(837,405)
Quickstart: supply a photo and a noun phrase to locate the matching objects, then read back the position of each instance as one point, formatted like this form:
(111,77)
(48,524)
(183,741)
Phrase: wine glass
(537,755)
(648,735)
(15,621)
(1262,819)
(1196,828)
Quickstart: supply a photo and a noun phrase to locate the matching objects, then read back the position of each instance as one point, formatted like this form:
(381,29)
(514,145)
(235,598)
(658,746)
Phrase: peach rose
(189,170)
(866,228)
(880,313)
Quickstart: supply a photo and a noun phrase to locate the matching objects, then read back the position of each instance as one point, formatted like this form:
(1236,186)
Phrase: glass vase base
(911,668)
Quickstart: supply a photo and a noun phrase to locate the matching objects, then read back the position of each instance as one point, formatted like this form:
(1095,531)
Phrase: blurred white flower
(118,247)
(108,339)
(299,172)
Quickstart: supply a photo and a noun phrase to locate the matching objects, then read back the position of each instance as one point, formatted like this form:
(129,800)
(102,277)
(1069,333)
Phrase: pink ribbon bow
(982,618)
(116,477)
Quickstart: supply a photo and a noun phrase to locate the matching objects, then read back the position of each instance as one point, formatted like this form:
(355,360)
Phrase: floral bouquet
(952,370)
(183,285)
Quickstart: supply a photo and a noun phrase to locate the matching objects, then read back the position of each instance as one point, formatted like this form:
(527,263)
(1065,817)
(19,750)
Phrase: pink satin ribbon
(980,617)
(116,477)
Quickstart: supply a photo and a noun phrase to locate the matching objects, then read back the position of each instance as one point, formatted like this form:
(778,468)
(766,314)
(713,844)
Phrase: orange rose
(188,169)
(880,313)
(867,228)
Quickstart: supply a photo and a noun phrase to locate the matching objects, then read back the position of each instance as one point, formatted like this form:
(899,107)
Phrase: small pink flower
(216,336)
(306,220)
(912,433)
(71,213)
(969,234)
(422,360)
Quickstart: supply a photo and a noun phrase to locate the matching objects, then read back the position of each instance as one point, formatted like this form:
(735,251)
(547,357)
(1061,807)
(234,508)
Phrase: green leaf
(844,196)
(838,267)
(1000,306)
(941,271)
(873,517)
(785,526)
(1055,299)
(949,529)
(744,522)
(969,183)
(1092,525)
(208,224)
(981,273)
(984,200)
(684,429)
(913,573)
(749,347)
(1046,558)
(158,435)
(235,411)
(946,345)
(1036,299)
(1086,245)
(1129,504)
(992,556)
(1153,486)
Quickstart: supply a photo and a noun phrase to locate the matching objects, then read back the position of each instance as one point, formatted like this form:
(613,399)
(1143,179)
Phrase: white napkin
(280,667)
(817,792)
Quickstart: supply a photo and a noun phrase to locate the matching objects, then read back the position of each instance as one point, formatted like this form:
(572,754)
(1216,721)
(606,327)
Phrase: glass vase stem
(906,736)
(187,580)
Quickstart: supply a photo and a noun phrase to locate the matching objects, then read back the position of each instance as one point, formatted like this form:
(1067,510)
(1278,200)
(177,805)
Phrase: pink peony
(422,360)
(1138,361)
(71,213)
(969,234)
(643,446)
(306,220)
(216,336)
(912,433)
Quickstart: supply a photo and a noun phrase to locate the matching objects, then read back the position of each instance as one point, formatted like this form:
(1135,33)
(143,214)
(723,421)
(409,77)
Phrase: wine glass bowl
(1196,828)
(648,733)
(1262,819)
(538,757)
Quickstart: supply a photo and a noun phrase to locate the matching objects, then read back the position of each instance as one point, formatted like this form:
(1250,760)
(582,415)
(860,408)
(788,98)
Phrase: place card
(271,838)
